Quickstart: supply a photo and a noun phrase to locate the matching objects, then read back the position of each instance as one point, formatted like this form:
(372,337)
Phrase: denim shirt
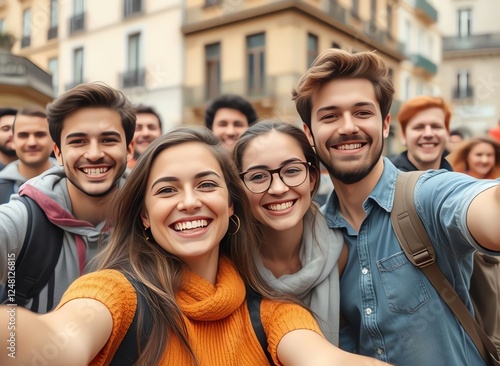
(389,309)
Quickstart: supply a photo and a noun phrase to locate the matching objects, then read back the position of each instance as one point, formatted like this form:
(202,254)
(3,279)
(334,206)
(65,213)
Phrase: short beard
(7,152)
(350,177)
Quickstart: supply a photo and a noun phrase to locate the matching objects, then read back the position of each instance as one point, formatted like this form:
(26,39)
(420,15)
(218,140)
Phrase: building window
(373,8)
(256,63)
(389,20)
(212,71)
(26,38)
(77,21)
(78,66)
(336,45)
(407,88)
(407,35)
(312,48)
(355,9)
(52,33)
(464,22)
(390,74)
(463,89)
(54,71)
(134,76)
(131,7)
(2,25)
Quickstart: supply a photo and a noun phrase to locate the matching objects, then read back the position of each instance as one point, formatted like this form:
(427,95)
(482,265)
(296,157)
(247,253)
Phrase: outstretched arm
(71,335)
(483,218)
(304,347)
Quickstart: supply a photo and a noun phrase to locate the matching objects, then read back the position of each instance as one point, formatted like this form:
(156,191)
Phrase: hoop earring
(237,222)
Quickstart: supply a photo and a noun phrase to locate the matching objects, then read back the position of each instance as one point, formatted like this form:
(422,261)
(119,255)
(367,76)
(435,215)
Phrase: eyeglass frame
(307,164)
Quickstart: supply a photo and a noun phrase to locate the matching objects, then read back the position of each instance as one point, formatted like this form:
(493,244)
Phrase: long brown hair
(458,158)
(159,271)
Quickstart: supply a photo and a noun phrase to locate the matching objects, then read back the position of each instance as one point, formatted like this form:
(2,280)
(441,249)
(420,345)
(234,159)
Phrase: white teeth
(280,206)
(427,146)
(187,225)
(92,171)
(350,147)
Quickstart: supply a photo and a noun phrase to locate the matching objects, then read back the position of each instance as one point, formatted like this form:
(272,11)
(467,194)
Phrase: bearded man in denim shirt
(390,310)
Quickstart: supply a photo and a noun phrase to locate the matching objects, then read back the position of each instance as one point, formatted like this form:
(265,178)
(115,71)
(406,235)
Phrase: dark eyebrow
(285,162)
(333,107)
(82,134)
(175,179)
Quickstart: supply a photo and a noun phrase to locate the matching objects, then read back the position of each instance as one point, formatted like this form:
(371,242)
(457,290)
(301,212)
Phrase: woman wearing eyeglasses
(299,254)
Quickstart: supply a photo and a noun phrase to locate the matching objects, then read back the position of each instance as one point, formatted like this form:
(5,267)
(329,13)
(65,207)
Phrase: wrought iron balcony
(19,71)
(476,42)
(132,78)
(77,23)
(52,32)
(463,93)
(25,41)
(131,7)
(424,64)
(426,10)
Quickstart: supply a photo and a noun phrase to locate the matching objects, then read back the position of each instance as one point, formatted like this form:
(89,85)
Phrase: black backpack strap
(419,250)
(40,252)
(6,190)
(253,303)
(128,351)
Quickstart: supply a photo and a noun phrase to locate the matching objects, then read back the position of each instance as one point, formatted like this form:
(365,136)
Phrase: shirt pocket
(403,284)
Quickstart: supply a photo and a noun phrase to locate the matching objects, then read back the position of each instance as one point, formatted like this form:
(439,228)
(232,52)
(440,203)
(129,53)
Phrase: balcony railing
(132,78)
(196,96)
(426,10)
(477,42)
(424,63)
(25,41)
(337,11)
(131,7)
(19,71)
(52,32)
(463,93)
(76,23)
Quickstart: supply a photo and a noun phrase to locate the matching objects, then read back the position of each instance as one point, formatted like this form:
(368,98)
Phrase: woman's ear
(145,220)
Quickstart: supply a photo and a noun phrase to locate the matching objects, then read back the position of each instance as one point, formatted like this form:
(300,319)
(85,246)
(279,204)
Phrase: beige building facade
(260,48)
(471,63)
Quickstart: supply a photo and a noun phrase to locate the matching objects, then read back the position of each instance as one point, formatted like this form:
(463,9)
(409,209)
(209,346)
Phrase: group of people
(206,224)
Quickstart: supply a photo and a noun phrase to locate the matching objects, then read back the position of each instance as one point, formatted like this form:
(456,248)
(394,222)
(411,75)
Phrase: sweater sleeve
(113,290)
(279,318)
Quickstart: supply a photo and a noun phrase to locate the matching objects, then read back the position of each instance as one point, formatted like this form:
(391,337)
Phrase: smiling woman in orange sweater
(182,233)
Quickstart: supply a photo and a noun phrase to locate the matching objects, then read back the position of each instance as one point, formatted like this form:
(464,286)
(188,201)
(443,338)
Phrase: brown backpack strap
(419,250)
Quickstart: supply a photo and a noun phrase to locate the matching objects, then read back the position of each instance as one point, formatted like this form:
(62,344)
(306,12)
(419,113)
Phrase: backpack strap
(40,252)
(128,351)
(253,303)
(6,190)
(419,250)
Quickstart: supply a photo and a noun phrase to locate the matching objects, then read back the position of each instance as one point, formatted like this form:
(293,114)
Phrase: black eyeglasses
(292,174)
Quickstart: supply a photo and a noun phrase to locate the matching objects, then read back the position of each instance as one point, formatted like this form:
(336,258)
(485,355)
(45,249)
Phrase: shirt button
(379,351)
(368,311)
(364,271)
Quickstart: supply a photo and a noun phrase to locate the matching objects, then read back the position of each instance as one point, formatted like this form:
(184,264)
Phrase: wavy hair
(339,64)
(458,158)
(159,271)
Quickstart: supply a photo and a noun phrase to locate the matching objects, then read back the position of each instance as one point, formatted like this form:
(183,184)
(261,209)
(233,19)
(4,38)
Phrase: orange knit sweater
(216,317)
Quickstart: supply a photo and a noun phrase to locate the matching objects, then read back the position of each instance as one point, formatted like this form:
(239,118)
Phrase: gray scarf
(317,283)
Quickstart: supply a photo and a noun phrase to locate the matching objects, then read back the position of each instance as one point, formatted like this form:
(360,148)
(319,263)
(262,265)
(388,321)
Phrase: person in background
(92,126)
(479,157)
(389,309)
(148,127)
(425,123)
(33,146)
(228,116)
(7,151)
(299,254)
(182,231)
(455,139)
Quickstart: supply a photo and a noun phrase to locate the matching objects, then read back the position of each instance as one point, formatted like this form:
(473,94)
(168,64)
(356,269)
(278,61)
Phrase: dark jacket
(404,164)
